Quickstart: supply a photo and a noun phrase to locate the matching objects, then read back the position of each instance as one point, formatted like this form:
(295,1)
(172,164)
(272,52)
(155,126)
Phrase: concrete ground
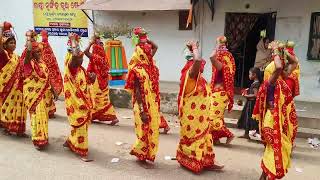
(20,161)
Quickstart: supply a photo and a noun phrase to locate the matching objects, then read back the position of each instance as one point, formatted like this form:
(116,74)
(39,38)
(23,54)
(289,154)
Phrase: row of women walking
(202,105)
(30,83)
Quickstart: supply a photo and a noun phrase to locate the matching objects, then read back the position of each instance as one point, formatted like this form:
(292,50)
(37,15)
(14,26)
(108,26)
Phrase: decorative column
(116,57)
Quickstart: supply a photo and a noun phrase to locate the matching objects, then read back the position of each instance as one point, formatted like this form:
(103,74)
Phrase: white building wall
(163,27)
(20,14)
(293,22)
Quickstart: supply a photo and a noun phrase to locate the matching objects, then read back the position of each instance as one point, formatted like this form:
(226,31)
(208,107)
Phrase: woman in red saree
(36,83)
(222,85)
(78,99)
(195,149)
(271,110)
(12,116)
(103,110)
(55,76)
(150,49)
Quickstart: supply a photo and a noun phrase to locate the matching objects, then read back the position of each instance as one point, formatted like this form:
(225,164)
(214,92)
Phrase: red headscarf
(98,50)
(7,32)
(228,71)
(50,60)
(293,79)
(143,37)
(99,65)
(44,35)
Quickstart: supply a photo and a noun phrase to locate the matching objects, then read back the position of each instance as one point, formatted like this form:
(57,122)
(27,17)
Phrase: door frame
(270,34)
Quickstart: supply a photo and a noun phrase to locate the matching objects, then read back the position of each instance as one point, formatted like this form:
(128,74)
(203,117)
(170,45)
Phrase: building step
(303,119)
(308,113)
(302,132)
(121,99)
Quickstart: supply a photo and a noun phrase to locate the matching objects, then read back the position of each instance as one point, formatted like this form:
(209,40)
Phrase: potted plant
(112,32)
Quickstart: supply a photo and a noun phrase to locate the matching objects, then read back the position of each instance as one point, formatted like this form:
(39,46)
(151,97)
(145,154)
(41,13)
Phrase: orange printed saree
(195,149)
(12,116)
(78,106)
(222,97)
(146,145)
(102,107)
(36,83)
(274,126)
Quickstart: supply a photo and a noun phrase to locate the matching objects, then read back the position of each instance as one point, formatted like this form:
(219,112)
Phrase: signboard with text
(60,17)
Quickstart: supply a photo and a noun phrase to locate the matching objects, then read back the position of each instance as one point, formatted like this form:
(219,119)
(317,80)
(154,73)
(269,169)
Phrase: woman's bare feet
(6,132)
(52,116)
(40,148)
(263,176)
(23,135)
(216,142)
(145,164)
(66,145)
(114,122)
(215,167)
(294,145)
(166,130)
(229,140)
(245,136)
(85,159)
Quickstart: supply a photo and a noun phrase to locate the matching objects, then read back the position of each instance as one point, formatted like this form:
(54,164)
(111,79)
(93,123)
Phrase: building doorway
(243,33)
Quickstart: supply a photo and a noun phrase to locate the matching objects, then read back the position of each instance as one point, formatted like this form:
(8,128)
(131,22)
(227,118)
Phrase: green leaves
(114,31)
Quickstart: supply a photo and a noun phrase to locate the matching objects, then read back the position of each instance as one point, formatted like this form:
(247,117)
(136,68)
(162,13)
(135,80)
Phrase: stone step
(303,120)
(308,113)
(302,132)
(121,99)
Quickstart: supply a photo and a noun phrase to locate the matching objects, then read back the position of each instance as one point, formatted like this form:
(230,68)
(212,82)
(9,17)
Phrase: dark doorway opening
(245,53)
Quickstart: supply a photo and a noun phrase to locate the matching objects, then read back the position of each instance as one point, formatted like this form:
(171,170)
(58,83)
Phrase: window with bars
(314,37)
